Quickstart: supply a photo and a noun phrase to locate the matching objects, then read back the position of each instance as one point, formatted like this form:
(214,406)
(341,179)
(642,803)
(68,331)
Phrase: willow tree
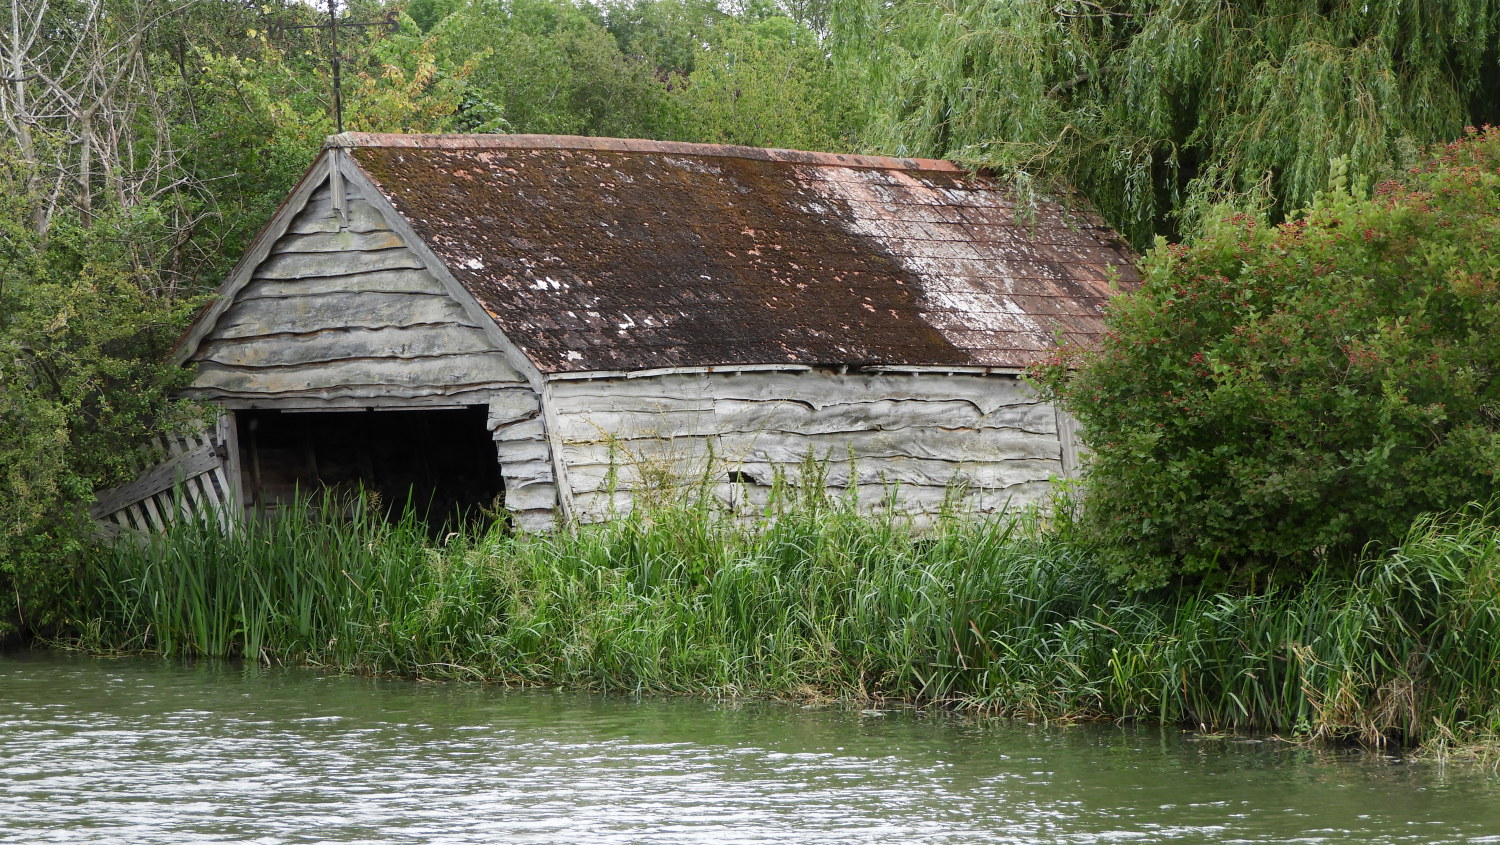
(1156,110)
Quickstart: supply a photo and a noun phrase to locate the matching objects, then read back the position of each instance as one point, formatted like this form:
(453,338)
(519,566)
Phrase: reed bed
(1004,615)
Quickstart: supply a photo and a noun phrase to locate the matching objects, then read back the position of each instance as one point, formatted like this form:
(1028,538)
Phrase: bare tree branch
(79,107)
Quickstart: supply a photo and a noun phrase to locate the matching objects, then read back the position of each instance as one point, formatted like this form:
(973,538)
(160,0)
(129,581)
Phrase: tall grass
(1002,615)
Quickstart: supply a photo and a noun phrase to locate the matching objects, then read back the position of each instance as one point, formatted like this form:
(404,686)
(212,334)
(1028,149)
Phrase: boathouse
(565,325)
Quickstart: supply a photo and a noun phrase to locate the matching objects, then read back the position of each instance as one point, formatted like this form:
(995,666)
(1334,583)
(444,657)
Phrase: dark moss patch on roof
(591,256)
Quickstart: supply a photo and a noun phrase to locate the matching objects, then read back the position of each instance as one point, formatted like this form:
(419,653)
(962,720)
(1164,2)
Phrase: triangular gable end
(335,303)
(315,177)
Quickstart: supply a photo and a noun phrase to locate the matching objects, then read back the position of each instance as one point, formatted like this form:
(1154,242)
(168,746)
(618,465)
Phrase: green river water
(141,751)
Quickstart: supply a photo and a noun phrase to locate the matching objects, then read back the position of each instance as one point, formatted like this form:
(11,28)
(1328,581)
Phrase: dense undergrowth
(1006,616)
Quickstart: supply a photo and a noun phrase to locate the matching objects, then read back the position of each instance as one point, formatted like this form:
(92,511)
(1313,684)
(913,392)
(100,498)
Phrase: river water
(141,751)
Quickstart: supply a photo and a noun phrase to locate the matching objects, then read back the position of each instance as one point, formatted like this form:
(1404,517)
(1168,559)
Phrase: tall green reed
(818,599)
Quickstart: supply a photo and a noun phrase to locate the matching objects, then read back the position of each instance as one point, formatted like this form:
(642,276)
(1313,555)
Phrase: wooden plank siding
(918,437)
(525,456)
(341,313)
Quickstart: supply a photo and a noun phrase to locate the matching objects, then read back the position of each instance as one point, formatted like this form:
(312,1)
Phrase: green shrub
(82,385)
(1276,397)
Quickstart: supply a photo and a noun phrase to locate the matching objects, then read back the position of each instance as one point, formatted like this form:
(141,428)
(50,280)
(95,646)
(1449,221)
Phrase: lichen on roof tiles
(599,254)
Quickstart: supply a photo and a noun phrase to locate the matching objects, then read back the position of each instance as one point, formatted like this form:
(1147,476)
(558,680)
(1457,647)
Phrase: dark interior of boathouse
(438,463)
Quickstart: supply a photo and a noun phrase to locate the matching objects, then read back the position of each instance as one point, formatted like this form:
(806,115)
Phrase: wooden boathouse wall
(343,315)
(982,442)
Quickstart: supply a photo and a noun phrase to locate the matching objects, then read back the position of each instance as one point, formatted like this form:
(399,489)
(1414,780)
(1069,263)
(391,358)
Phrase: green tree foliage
(548,66)
(257,110)
(1158,110)
(1276,397)
(81,385)
(766,83)
(667,33)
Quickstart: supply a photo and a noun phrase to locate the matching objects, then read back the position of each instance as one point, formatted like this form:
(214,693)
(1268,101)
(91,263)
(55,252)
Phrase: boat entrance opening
(439,463)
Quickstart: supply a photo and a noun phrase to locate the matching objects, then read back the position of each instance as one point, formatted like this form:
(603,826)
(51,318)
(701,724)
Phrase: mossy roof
(599,254)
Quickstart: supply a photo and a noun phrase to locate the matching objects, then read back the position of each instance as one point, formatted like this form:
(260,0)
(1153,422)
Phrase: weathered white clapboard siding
(337,344)
(992,475)
(427,396)
(341,241)
(943,446)
(814,388)
(341,312)
(319,215)
(525,456)
(923,438)
(307,265)
(399,280)
(750,418)
(385,375)
(265,317)
(918,503)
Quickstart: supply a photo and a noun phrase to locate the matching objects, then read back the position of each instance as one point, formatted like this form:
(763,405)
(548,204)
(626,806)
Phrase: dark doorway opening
(442,464)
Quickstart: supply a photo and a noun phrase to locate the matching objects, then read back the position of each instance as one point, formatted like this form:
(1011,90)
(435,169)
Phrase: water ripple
(144,752)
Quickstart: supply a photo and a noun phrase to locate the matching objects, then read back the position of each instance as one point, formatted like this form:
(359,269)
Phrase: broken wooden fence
(191,481)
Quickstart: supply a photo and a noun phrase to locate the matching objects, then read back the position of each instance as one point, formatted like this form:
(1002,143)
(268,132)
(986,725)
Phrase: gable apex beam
(259,250)
(336,188)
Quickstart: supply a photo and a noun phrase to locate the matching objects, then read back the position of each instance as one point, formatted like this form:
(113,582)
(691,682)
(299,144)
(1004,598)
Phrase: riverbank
(1002,616)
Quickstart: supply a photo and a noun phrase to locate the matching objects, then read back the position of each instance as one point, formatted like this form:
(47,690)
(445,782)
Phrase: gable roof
(603,254)
(595,254)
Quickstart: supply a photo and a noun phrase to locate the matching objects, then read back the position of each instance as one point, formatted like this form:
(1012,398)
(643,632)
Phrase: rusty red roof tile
(608,254)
